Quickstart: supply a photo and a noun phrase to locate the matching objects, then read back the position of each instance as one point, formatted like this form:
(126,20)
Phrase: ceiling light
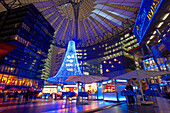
(160,24)
(165,16)
(154,32)
(148,41)
(168,30)
(151,37)
(107,70)
(159,40)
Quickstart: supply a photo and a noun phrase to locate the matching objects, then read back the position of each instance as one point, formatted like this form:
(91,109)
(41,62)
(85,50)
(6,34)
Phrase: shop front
(91,90)
(70,88)
(49,90)
(107,90)
(112,90)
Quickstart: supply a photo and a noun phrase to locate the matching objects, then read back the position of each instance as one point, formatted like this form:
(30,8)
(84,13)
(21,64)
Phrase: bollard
(5,98)
(138,102)
(20,99)
(78,100)
(45,96)
(54,96)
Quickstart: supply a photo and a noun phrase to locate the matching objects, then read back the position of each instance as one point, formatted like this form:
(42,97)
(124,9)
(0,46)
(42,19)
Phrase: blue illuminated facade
(150,65)
(146,15)
(120,48)
(26,28)
(70,65)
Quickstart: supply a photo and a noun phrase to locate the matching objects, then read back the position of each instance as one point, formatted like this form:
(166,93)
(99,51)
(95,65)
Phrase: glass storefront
(18,81)
(108,88)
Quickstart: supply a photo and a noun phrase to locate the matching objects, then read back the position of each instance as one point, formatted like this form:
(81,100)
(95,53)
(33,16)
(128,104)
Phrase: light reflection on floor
(73,109)
(50,106)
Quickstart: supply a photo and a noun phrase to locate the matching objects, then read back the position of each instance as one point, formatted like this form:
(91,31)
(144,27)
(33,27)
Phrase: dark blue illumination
(146,15)
(70,65)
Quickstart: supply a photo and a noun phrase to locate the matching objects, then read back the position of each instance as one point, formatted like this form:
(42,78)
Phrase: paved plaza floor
(60,106)
(50,106)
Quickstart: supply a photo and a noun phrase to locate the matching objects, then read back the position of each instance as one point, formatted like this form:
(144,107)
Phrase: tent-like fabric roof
(141,74)
(96,18)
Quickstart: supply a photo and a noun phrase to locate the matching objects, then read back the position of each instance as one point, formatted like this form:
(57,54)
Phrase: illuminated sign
(120,80)
(70,85)
(146,14)
(49,86)
(49,90)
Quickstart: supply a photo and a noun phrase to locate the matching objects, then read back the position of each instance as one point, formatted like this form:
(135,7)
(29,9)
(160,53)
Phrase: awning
(141,74)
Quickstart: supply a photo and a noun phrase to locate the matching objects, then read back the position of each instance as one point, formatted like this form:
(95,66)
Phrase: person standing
(31,95)
(131,100)
(27,94)
(15,94)
(35,94)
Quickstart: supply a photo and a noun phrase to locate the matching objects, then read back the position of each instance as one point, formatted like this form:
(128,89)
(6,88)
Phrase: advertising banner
(146,14)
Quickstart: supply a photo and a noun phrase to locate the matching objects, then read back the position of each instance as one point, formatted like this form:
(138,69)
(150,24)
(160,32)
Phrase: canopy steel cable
(69,29)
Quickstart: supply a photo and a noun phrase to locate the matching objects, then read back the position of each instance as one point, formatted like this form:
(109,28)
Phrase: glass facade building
(92,58)
(150,65)
(26,28)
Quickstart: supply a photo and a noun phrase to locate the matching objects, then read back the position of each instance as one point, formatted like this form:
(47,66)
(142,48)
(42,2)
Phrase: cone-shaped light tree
(70,65)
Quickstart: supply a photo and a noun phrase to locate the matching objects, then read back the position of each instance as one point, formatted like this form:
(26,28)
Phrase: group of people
(25,94)
(131,100)
(29,94)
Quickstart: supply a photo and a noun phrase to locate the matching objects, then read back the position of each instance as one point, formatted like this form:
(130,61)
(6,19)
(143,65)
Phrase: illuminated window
(126,35)
(104,62)
(119,62)
(94,49)
(110,62)
(112,66)
(0,76)
(115,59)
(79,57)
(4,79)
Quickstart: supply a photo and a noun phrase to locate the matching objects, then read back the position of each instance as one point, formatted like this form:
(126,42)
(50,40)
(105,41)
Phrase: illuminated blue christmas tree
(70,65)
